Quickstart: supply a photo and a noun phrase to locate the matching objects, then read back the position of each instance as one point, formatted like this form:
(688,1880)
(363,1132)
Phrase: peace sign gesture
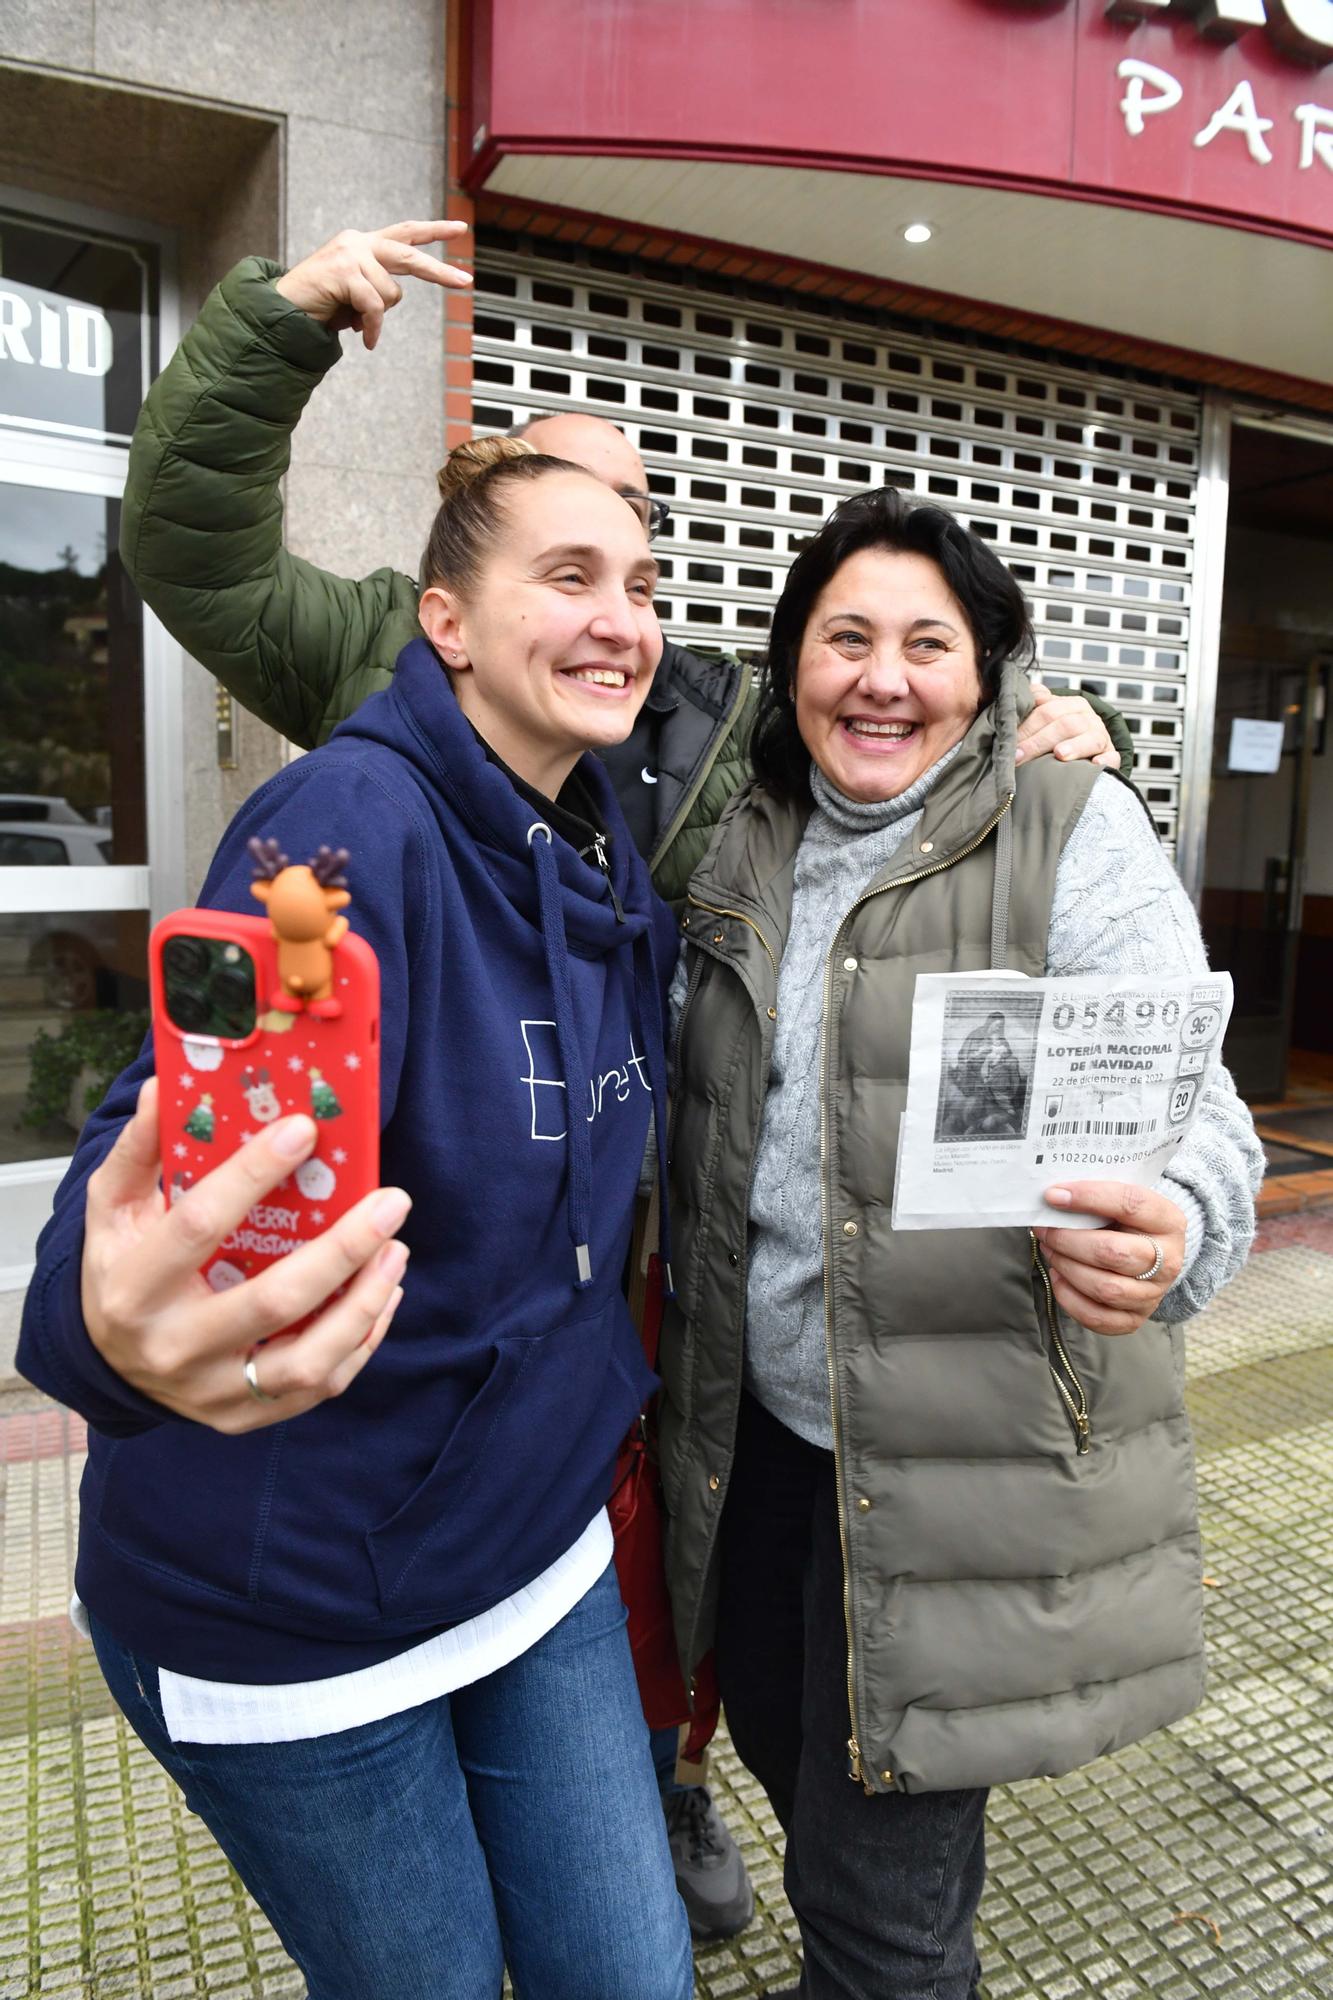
(352,281)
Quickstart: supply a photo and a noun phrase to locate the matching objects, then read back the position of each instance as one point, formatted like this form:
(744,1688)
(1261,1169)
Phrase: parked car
(53,844)
(33,806)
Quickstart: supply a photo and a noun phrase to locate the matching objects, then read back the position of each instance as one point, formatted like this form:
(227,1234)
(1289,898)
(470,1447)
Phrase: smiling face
(552,650)
(887,677)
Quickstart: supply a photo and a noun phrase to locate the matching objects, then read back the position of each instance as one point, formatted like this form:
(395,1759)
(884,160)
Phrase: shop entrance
(90,798)
(1268,873)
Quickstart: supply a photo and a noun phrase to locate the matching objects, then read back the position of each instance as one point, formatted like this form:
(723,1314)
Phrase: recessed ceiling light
(918,232)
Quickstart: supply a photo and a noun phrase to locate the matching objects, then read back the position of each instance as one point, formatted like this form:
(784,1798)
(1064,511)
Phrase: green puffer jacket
(1015,1494)
(201,538)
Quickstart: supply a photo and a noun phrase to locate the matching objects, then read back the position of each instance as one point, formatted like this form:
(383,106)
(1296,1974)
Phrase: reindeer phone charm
(258,1017)
(301,902)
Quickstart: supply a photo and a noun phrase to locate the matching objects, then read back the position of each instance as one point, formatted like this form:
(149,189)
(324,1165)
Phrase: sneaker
(710,1874)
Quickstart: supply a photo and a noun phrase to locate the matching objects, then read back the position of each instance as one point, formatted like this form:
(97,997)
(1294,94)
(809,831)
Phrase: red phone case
(215,1093)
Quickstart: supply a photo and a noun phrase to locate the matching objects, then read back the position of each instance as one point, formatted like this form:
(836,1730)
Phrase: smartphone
(236,1050)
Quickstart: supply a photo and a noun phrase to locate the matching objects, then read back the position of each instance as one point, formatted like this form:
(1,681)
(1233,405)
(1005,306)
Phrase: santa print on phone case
(312,1047)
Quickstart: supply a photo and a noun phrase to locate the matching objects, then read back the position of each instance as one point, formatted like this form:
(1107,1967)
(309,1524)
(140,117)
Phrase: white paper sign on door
(1255,746)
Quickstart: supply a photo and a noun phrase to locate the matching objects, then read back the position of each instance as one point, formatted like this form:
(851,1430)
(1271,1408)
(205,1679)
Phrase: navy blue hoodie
(479,1442)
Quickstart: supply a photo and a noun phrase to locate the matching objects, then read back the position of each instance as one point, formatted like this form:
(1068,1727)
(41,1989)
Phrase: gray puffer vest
(1016,1493)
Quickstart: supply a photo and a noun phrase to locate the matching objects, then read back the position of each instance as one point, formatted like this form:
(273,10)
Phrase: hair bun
(467,462)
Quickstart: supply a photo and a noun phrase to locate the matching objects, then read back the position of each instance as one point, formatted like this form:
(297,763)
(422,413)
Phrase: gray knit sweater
(1118,907)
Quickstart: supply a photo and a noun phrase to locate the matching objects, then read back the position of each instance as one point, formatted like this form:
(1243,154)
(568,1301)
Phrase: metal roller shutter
(756,412)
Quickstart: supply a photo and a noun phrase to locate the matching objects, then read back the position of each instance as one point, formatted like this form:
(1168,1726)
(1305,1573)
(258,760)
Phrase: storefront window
(73,1011)
(78,320)
(76,323)
(71,680)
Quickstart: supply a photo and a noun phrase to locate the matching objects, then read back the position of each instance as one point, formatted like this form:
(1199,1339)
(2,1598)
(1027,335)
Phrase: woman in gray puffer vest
(931,1493)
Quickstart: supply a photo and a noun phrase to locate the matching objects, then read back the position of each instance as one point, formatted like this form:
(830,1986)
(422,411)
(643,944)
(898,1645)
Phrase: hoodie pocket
(513,1467)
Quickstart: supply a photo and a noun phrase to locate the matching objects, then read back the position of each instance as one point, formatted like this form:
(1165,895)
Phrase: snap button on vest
(849,1229)
(927,847)
(850,964)
(732,1259)
(863,1505)
(719,937)
(772,1013)
(713,1482)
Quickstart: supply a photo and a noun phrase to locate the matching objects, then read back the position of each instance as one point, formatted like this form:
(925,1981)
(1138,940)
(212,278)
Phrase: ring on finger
(252,1380)
(1143,1277)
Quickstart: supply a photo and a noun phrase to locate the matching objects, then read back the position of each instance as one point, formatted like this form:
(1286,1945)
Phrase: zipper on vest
(1063,1372)
(739,917)
(855,1767)
(691,988)
(936,867)
(696,975)
(855,1762)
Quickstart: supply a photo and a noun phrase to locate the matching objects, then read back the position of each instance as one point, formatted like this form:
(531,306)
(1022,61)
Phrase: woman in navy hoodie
(357,1596)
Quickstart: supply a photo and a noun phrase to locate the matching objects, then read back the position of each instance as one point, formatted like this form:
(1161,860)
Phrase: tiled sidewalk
(1198,1864)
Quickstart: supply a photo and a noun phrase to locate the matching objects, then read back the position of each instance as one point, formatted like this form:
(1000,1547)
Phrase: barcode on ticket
(1094,1128)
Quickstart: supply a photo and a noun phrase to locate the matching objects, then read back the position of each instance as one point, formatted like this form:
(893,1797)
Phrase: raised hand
(1065,726)
(153,1318)
(1101,1276)
(352,280)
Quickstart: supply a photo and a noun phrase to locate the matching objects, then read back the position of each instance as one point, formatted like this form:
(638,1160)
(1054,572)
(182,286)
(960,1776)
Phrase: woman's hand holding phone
(156,1321)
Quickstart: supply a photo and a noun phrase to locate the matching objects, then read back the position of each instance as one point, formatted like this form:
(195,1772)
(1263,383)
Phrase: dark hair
(472,482)
(994,606)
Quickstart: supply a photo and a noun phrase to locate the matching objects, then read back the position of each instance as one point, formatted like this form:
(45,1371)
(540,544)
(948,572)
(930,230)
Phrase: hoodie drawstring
(578,1144)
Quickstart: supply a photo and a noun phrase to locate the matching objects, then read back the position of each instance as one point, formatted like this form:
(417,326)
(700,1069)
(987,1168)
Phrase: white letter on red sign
(1137,107)
(1240,114)
(1316,134)
(1304,28)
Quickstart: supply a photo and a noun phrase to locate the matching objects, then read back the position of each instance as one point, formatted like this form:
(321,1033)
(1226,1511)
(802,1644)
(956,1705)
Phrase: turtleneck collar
(861,815)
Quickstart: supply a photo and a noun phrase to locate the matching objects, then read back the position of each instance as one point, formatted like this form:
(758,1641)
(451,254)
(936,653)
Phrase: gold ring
(252,1381)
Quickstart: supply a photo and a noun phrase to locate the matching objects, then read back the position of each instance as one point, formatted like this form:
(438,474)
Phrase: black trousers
(885,1888)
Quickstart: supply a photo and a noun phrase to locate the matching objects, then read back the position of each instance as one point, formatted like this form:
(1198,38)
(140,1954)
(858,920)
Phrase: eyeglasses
(653,513)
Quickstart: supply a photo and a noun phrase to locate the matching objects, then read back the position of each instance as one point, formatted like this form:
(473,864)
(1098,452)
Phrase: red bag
(637,1523)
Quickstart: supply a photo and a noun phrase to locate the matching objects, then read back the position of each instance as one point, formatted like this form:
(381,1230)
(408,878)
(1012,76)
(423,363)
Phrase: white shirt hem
(200,1711)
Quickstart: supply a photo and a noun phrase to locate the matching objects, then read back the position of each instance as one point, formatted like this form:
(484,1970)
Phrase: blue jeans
(513,1822)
